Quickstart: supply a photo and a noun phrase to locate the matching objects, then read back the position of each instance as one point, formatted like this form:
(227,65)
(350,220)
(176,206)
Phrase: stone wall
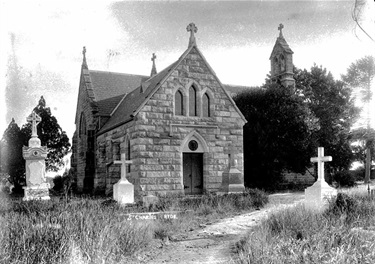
(298,178)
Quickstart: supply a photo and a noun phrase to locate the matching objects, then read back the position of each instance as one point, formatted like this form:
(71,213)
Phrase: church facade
(178,128)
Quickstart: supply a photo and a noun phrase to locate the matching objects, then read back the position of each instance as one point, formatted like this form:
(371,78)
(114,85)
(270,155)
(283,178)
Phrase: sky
(41,43)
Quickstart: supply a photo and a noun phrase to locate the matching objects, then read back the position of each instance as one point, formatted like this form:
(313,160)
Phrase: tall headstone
(35,155)
(316,195)
(123,190)
(232,178)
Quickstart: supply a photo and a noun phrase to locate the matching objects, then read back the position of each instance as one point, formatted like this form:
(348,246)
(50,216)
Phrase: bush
(345,179)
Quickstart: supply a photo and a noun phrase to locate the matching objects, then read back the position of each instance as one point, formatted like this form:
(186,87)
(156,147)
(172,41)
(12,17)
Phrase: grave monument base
(123,192)
(317,195)
(149,200)
(40,192)
(232,182)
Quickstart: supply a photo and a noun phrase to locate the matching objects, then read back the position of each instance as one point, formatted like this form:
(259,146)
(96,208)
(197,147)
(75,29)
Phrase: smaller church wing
(125,110)
(106,106)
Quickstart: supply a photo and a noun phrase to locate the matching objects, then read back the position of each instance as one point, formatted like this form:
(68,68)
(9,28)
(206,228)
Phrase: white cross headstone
(320,160)
(123,190)
(317,194)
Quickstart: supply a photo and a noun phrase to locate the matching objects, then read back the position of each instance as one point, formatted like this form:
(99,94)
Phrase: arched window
(178,103)
(282,63)
(206,105)
(128,156)
(192,101)
(82,125)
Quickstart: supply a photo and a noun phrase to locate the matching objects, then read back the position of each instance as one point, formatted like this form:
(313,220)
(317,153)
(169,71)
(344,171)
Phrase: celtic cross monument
(35,155)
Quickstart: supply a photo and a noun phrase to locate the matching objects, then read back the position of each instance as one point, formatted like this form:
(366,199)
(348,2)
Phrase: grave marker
(317,194)
(123,190)
(232,178)
(35,155)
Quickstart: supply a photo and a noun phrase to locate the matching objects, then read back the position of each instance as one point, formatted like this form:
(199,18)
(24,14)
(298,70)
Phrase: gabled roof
(134,101)
(106,106)
(110,84)
(126,108)
(280,41)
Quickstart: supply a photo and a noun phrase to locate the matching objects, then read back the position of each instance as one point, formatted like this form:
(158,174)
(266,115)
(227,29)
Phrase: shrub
(345,179)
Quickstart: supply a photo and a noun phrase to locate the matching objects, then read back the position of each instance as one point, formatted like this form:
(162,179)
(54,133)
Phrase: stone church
(179,127)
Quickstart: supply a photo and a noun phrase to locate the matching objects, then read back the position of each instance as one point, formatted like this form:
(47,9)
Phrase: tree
(12,160)
(332,103)
(360,75)
(360,142)
(278,134)
(50,135)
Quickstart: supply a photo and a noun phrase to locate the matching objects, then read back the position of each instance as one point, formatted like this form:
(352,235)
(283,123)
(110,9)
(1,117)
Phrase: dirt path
(212,243)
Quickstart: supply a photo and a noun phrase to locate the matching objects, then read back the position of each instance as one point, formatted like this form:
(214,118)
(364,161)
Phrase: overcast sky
(41,43)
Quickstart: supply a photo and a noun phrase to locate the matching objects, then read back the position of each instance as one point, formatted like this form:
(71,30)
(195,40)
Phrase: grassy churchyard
(88,230)
(342,233)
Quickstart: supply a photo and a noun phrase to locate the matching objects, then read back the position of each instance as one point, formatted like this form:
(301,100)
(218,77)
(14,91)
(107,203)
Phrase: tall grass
(87,230)
(343,233)
(80,232)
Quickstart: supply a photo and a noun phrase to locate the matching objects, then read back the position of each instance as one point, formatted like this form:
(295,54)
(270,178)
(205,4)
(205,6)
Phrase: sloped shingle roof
(281,42)
(133,100)
(111,84)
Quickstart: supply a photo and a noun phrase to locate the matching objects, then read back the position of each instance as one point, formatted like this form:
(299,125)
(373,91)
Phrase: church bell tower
(282,61)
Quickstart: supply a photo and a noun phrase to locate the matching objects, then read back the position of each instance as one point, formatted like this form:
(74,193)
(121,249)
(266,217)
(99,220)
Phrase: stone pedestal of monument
(149,200)
(123,190)
(316,196)
(35,155)
(232,178)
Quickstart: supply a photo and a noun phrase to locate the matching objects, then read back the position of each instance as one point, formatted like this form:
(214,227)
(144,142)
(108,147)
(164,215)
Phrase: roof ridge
(237,85)
(121,73)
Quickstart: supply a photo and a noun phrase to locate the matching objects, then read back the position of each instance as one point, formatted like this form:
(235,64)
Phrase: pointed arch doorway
(193,149)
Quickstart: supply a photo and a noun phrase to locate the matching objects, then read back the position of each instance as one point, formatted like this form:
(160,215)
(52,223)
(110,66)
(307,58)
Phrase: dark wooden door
(193,173)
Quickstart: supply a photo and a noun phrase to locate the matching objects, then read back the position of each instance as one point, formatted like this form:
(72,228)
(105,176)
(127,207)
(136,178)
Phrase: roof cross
(320,160)
(153,70)
(193,29)
(34,119)
(84,63)
(281,26)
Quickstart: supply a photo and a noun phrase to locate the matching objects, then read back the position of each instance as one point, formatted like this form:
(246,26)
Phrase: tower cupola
(282,61)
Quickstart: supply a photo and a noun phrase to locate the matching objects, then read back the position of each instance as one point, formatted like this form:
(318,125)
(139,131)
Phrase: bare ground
(214,242)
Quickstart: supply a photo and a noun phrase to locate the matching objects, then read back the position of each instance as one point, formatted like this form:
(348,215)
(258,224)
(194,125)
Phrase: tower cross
(281,26)
(123,163)
(34,119)
(192,29)
(153,58)
(320,160)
